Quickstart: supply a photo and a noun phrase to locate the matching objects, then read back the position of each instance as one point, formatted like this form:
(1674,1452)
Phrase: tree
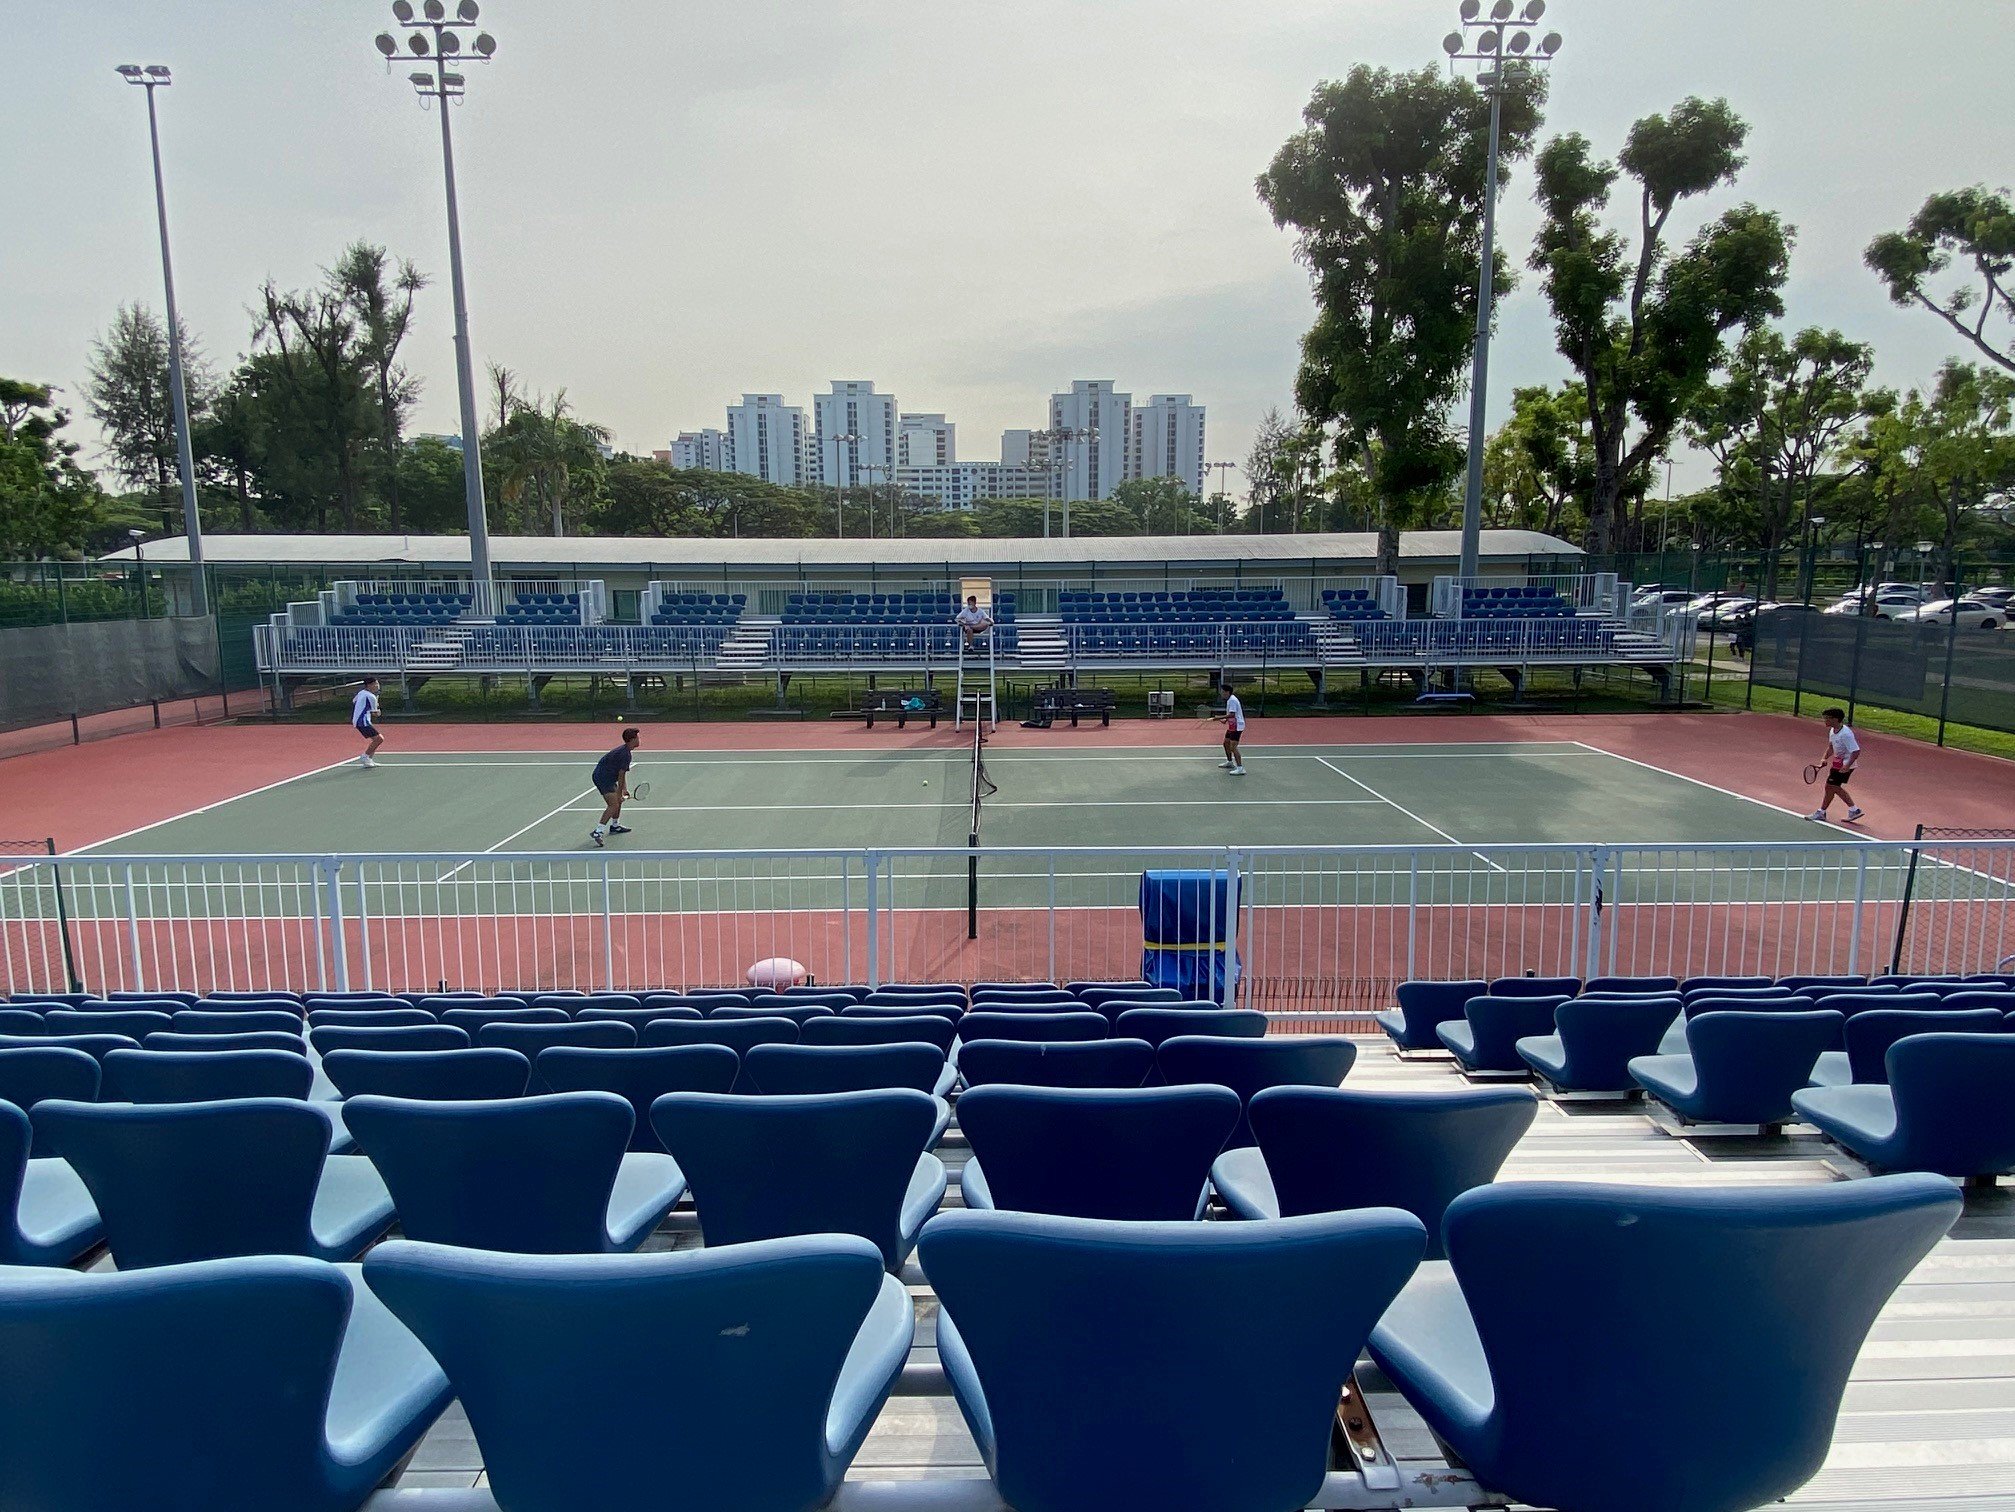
(1643,334)
(1966,451)
(230,445)
(380,298)
(1270,465)
(322,383)
(1775,421)
(431,487)
(1157,506)
(547,461)
(1538,468)
(49,506)
(133,403)
(1965,224)
(1384,188)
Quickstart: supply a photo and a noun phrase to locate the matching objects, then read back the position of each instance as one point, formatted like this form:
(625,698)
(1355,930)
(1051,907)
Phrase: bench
(905,703)
(1052,703)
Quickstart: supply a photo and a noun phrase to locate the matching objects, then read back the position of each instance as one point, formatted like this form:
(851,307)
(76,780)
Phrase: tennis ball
(927,782)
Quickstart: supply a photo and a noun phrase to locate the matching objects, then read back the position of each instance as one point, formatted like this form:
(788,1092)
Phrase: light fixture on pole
(843,438)
(1070,436)
(1504,48)
(1221,469)
(140,570)
(432,42)
(150,78)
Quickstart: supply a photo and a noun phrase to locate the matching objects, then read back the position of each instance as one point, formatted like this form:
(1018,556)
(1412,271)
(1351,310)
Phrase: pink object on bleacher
(777,972)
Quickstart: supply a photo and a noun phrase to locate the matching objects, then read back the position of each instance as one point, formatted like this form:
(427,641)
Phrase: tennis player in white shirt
(1234,729)
(364,719)
(1843,751)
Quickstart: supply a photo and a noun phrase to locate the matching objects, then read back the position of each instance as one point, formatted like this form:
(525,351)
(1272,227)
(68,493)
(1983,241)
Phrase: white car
(1887,605)
(1728,611)
(1663,598)
(1970,613)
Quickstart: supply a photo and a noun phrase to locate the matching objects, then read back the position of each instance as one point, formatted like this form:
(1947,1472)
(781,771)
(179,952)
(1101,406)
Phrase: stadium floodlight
(428,37)
(467,12)
(1505,55)
(151,77)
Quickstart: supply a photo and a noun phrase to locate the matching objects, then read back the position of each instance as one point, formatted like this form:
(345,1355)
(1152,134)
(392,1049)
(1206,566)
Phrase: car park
(1971,614)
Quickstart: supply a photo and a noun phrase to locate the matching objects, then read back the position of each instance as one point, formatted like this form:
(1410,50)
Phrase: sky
(668,203)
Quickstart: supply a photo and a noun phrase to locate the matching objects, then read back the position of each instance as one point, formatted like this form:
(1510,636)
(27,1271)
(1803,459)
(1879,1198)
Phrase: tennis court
(1352,865)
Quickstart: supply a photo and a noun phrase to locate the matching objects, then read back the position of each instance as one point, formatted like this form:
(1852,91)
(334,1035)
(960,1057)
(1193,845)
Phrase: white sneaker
(365,761)
(1819,814)
(1228,765)
(1238,771)
(1854,813)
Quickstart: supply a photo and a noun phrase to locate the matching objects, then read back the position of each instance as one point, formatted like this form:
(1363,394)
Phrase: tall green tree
(379,292)
(1159,506)
(1775,420)
(1384,188)
(132,402)
(1972,227)
(548,462)
(1644,328)
(1538,468)
(320,381)
(49,506)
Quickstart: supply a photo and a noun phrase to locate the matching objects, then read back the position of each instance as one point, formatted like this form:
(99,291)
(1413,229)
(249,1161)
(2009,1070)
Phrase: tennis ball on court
(927,782)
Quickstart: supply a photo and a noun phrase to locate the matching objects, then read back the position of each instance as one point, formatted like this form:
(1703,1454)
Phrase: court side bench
(905,703)
(1052,703)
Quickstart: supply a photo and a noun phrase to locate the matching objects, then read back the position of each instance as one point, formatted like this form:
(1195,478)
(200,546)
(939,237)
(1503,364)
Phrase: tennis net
(983,789)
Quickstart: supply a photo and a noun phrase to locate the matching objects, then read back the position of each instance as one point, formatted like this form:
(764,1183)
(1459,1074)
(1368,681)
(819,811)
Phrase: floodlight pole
(1489,47)
(150,79)
(442,88)
(841,438)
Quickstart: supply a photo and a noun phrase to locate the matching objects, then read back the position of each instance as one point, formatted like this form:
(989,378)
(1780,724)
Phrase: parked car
(1887,605)
(1971,614)
(1663,598)
(1996,598)
(1727,612)
(1769,608)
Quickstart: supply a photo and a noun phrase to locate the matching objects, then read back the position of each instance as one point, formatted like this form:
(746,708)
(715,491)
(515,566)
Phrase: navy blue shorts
(368,731)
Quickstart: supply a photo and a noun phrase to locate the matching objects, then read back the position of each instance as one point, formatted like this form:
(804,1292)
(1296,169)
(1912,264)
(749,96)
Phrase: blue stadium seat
(257,1039)
(1250,1066)
(1056,1063)
(1157,1024)
(837,1163)
(1739,1067)
(28,1077)
(210,1180)
(784,1352)
(912,1008)
(636,1018)
(1869,1034)
(1694,984)
(46,1214)
(97,1046)
(1595,1040)
(800,1069)
(1945,1109)
(234,1021)
(135,1024)
(241,1386)
(1525,986)
(1056,1339)
(1529,1360)
(473,1020)
(551,1174)
(1423,1006)
(1611,986)
(181,1076)
(738,1034)
(1034,1024)
(639,1076)
(1486,1038)
(573,1003)
(427,1036)
(1095,995)
(529,1039)
(778,1007)
(1331,1149)
(1139,1154)
(429,1075)
(26,1022)
(912,1028)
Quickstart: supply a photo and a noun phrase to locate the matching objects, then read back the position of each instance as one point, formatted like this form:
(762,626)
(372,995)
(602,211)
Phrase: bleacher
(404,610)
(805,1148)
(1210,623)
(1352,605)
(915,625)
(542,609)
(1516,601)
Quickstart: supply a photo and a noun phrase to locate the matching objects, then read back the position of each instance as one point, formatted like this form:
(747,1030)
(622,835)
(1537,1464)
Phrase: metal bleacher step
(748,645)
(439,651)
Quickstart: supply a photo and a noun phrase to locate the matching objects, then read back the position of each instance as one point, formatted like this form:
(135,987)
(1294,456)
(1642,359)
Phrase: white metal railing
(1323,932)
(1207,642)
(1442,641)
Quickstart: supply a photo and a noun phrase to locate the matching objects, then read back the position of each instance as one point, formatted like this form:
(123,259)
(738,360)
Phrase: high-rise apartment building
(1025,448)
(853,409)
(767,439)
(1091,439)
(1167,441)
(960,485)
(926,441)
(705,449)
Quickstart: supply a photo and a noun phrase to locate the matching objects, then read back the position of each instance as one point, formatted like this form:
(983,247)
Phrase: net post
(1903,912)
(63,920)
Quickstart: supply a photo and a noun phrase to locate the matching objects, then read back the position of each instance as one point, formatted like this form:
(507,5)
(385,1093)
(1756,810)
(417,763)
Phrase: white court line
(141,829)
(492,849)
(1023,758)
(995,803)
(1775,808)
(1406,811)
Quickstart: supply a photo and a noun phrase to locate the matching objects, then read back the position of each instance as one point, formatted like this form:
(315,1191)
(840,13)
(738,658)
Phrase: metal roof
(622,553)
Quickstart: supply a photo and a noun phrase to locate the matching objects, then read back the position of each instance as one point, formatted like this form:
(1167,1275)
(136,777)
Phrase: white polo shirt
(1234,712)
(364,708)
(1843,745)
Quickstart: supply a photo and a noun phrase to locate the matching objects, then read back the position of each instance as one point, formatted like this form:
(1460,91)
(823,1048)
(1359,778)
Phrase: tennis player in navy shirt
(612,781)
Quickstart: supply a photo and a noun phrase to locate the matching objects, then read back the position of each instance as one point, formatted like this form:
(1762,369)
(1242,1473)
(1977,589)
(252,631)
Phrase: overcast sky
(667,203)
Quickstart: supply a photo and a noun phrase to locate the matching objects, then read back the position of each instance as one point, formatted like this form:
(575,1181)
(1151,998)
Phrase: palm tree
(547,459)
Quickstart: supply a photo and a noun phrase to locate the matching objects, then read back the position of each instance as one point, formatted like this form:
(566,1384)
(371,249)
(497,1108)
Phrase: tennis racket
(1812,772)
(642,790)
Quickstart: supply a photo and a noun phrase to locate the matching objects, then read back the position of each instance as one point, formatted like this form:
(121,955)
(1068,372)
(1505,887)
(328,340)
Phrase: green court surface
(498,833)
